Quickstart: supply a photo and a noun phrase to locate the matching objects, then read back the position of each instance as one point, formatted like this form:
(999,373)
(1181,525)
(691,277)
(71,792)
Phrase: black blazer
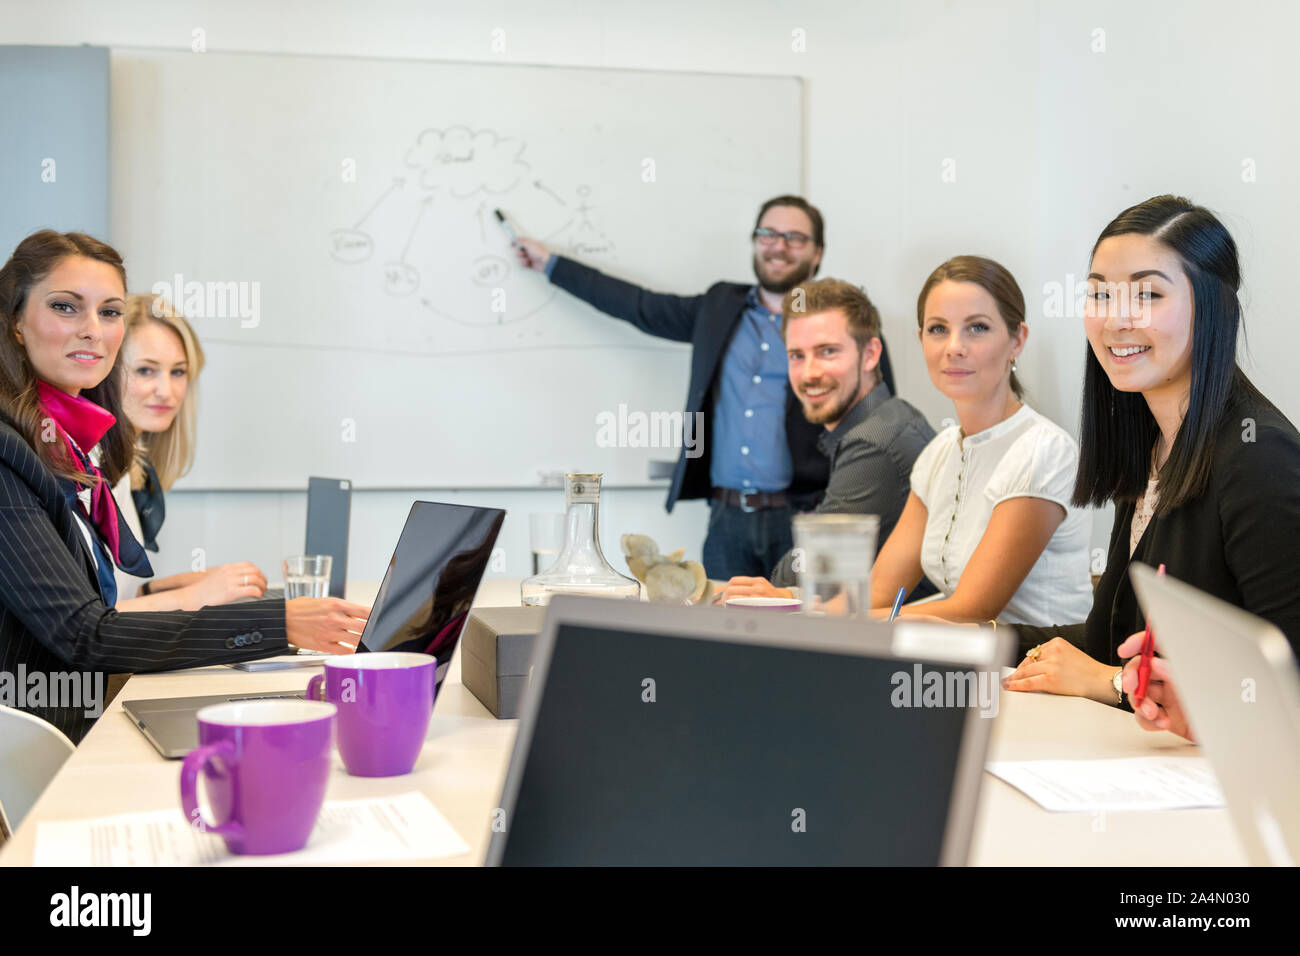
(1240,541)
(53,620)
(708,322)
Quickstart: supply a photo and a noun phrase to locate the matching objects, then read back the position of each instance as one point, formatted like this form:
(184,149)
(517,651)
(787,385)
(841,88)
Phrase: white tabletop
(463,764)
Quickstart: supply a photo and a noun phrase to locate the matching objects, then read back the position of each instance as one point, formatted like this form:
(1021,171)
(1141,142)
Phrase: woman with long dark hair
(61,302)
(1203,471)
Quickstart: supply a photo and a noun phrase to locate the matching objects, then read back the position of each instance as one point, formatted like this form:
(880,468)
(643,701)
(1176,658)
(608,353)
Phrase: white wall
(1050,140)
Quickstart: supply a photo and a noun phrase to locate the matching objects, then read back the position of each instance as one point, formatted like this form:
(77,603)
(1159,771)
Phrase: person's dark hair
(798,202)
(1117,431)
(994,279)
(35,258)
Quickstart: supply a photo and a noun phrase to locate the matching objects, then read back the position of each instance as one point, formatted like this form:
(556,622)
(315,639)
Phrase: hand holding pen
(1148,652)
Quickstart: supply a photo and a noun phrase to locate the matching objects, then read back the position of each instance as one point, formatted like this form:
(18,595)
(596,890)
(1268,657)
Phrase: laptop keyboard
(270,594)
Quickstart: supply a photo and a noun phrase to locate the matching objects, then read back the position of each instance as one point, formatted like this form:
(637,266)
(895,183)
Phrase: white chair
(31,753)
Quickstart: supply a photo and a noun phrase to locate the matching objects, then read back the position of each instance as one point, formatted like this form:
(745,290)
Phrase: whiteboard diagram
(394,313)
(457,178)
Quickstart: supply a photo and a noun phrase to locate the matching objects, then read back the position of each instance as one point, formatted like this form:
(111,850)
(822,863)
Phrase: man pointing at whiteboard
(760,462)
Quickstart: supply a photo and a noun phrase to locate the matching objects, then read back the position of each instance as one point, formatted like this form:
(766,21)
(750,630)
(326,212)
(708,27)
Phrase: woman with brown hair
(989,519)
(160,364)
(62,297)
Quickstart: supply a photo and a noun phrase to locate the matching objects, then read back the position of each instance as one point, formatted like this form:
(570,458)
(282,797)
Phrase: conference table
(463,764)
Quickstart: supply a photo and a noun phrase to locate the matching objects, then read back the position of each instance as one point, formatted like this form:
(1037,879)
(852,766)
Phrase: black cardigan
(1240,541)
(708,322)
(54,622)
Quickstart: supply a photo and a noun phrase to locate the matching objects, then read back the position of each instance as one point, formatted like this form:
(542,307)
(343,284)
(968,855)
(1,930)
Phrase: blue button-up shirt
(749,450)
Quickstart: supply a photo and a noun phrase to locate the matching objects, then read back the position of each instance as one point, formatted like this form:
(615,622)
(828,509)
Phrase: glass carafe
(580,567)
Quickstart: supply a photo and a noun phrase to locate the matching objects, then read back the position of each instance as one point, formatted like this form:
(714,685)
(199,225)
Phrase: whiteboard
(326,224)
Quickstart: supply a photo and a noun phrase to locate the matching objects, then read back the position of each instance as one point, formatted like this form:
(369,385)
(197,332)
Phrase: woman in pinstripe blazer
(61,300)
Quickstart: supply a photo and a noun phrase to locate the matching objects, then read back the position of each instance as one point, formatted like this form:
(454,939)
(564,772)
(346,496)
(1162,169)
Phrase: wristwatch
(1118,683)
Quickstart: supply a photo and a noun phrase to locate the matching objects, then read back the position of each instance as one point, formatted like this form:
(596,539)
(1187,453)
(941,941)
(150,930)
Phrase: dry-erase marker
(505,224)
(898,603)
(1148,652)
(510,231)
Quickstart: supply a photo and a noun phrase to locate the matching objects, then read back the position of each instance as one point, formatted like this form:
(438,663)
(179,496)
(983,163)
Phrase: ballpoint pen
(898,603)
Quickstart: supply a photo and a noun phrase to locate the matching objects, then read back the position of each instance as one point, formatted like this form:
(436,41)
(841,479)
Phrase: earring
(1013,365)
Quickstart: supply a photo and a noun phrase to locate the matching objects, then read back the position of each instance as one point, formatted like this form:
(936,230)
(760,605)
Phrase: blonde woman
(161,361)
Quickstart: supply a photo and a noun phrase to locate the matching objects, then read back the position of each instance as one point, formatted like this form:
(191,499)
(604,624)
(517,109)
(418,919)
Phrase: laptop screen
(747,754)
(431,580)
(329,510)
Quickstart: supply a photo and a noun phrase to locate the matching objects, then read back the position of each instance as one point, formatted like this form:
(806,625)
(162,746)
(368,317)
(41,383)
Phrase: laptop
(422,606)
(1238,682)
(329,513)
(663,736)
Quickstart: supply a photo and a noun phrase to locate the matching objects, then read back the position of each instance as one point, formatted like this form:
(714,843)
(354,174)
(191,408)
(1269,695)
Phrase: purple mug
(266,764)
(385,701)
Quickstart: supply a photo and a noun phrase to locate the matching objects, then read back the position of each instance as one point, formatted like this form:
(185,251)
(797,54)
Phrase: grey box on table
(496,650)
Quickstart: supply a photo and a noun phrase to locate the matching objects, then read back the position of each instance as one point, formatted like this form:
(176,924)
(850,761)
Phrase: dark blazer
(52,619)
(708,322)
(1240,541)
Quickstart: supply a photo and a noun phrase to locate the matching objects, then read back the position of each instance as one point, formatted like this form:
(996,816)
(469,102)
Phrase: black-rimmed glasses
(768,237)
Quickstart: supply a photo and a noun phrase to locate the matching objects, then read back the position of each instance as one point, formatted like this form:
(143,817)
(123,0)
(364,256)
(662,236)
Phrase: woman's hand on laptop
(223,584)
(327,624)
(1161,709)
(749,587)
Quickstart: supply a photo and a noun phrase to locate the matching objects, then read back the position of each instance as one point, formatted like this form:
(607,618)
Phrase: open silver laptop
(654,735)
(1238,683)
(422,607)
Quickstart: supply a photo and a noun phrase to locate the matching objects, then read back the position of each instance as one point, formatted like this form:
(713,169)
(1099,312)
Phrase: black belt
(750,501)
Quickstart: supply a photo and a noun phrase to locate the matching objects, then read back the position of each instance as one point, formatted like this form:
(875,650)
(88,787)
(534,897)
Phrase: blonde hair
(171,452)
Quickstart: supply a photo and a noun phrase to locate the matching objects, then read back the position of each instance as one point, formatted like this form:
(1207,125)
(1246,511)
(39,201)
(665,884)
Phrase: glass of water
(307,575)
(832,560)
(545,539)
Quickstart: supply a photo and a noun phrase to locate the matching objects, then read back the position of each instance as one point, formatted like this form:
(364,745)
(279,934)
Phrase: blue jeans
(749,544)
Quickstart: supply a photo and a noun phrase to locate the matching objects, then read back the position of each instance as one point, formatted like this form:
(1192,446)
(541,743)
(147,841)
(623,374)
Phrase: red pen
(1144,661)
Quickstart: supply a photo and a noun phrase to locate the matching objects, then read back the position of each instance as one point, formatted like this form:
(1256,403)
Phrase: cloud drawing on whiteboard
(465,161)
(440,246)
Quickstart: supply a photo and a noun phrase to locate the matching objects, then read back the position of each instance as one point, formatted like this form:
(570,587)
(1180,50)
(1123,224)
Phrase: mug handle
(195,761)
(315,684)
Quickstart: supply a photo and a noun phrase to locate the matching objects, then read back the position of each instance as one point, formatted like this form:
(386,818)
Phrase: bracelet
(144,588)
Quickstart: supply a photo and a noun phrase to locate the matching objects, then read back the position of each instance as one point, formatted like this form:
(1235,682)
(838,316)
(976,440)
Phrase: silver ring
(245,580)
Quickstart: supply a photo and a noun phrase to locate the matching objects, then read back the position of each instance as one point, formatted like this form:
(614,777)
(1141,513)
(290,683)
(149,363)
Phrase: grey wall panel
(54,151)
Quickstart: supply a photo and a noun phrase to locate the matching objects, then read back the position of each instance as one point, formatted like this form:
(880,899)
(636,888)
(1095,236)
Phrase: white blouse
(960,482)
